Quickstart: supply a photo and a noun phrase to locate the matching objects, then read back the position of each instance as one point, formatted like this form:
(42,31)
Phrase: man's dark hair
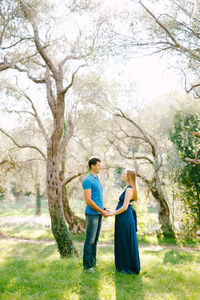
(93,161)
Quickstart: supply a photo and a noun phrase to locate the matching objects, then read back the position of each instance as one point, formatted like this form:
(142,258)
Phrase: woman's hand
(111,213)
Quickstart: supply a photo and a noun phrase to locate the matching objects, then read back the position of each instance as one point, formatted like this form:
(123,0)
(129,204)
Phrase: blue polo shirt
(93,183)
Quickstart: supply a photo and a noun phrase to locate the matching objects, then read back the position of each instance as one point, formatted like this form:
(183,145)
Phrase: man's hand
(105,214)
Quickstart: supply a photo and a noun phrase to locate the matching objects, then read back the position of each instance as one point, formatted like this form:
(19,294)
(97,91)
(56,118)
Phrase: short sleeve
(87,185)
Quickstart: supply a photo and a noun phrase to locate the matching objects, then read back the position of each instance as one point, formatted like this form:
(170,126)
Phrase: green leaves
(188,178)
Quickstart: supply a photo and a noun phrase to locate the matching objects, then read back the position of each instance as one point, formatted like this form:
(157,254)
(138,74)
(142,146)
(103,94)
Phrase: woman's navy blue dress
(126,245)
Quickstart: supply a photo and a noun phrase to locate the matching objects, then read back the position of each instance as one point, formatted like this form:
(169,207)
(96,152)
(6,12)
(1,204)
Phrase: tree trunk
(58,224)
(54,184)
(76,224)
(38,210)
(163,208)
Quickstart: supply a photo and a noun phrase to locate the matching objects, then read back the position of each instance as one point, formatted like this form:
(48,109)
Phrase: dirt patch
(141,246)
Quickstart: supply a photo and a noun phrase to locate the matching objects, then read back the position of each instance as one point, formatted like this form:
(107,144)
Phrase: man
(93,193)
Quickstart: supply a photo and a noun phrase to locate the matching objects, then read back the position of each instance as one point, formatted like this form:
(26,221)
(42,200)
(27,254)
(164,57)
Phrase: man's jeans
(92,235)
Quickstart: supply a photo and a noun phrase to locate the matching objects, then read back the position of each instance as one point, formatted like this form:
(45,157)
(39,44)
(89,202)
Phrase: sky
(151,76)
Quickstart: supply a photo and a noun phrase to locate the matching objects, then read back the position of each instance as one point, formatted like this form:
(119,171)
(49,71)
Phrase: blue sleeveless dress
(126,246)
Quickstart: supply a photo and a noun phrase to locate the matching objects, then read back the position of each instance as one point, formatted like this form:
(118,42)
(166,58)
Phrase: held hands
(111,213)
(108,213)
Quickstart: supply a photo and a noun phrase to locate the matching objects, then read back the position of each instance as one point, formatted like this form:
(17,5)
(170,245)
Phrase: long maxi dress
(126,245)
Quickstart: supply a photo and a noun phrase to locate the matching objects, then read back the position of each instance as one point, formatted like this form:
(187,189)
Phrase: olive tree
(52,64)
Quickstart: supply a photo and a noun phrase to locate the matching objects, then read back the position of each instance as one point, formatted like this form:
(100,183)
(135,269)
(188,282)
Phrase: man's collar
(93,175)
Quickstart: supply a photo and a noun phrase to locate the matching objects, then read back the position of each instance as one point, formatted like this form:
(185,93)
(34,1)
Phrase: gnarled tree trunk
(163,208)
(76,224)
(54,193)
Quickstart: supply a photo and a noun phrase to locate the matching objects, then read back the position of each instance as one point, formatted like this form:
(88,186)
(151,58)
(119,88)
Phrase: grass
(28,231)
(38,232)
(35,270)
(20,209)
(32,271)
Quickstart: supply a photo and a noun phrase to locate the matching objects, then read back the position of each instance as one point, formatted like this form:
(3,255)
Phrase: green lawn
(20,209)
(39,232)
(35,271)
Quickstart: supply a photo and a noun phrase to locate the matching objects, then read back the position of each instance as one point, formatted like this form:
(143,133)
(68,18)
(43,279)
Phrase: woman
(126,246)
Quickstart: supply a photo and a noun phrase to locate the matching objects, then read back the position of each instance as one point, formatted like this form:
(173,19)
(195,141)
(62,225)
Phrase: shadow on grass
(31,271)
(128,286)
(89,285)
(162,240)
(36,251)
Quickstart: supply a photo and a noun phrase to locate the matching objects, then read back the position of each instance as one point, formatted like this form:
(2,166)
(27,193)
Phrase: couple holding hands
(125,246)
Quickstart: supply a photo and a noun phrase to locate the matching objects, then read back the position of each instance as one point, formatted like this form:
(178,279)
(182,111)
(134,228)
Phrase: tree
(171,33)
(188,175)
(44,66)
(132,142)
(37,133)
(169,29)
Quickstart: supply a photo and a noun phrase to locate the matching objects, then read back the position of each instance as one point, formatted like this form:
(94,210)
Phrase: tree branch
(160,24)
(72,79)
(23,146)
(196,134)
(141,130)
(39,47)
(34,113)
(7,161)
(36,116)
(70,178)
(194,161)
(36,80)
(16,43)
(74,57)
(144,157)
(192,88)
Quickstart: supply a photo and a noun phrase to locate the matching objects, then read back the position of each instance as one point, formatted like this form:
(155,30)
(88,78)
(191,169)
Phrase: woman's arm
(128,197)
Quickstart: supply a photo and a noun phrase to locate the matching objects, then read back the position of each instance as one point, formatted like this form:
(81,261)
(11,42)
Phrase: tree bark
(163,208)
(76,224)
(38,209)
(54,193)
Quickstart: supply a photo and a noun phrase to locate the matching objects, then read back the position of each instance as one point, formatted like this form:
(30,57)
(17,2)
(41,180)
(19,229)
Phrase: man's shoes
(91,270)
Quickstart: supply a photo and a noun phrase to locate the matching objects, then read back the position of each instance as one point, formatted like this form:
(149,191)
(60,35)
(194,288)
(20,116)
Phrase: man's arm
(92,204)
